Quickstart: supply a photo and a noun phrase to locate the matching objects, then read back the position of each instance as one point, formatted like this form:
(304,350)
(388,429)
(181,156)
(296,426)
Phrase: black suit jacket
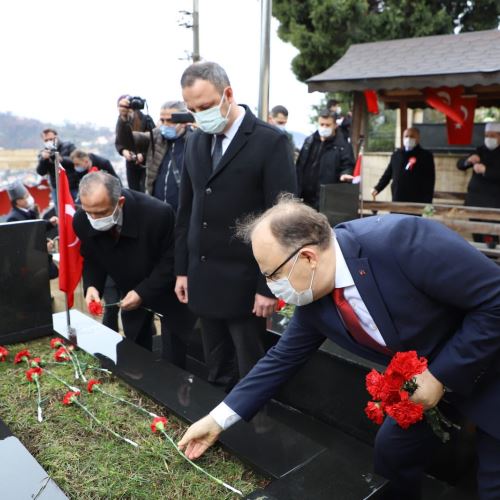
(101,163)
(413,185)
(223,276)
(141,259)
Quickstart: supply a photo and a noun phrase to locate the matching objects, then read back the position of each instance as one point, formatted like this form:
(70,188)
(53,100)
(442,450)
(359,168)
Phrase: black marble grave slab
(25,307)
(21,476)
(267,445)
(339,202)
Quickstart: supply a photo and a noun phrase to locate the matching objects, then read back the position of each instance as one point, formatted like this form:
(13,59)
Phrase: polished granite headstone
(339,202)
(25,307)
(267,445)
(21,476)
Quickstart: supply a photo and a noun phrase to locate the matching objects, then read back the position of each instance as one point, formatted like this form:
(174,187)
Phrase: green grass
(89,463)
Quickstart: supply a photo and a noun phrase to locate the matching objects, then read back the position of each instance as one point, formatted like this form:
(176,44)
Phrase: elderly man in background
(484,185)
(411,170)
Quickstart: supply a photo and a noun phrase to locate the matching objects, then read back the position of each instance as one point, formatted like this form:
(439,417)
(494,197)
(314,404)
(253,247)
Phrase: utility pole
(191,20)
(265,56)
(196,31)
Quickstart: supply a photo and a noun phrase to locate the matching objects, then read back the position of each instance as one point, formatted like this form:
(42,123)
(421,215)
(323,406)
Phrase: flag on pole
(371,101)
(71,262)
(357,168)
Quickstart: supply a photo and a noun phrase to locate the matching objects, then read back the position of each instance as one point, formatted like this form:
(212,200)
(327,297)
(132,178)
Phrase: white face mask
(409,142)
(283,289)
(105,223)
(211,120)
(325,131)
(281,127)
(491,143)
(50,144)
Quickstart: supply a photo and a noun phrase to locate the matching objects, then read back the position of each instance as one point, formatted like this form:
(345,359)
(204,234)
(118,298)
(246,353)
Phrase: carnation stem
(91,415)
(70,387)
(39,399)
(96,368)
(196,466)
(137,407)
(74,359)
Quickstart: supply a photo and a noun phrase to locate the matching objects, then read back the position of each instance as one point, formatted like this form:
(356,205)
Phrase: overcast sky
(70,60)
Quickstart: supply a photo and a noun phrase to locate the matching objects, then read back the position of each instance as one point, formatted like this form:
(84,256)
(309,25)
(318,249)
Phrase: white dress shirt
(226,417)
(229,134)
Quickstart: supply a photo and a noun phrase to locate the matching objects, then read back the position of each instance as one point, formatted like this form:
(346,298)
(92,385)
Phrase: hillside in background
(24,133)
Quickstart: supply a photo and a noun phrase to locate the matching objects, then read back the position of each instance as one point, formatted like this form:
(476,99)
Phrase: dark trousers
(111,295)
(136,176)
(176,327)
(402,455)
(231,347)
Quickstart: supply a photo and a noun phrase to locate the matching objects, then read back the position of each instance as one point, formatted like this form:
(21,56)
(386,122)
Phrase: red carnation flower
(95,308)
(405,413)
(159,424)
(57,342)
(61,355)
(407,365)
(3,354)
(280,305)
(33,373)
(374,412)
(70,397)
(91,383)
(22,356)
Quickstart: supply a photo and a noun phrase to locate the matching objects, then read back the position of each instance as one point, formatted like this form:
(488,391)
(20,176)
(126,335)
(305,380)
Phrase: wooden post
(359,121)
(403,110)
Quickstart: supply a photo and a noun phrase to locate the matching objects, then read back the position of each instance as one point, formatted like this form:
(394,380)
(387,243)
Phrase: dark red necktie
(353,325)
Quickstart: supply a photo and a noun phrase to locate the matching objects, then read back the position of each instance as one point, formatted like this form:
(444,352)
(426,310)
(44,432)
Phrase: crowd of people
(167,246)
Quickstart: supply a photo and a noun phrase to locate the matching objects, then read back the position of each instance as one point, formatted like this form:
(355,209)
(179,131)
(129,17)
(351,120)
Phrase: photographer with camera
(132,120)
(165,156)
(53,144)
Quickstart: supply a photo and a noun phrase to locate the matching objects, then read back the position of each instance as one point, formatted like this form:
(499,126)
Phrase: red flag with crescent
(443,99)
(71,262)
(461,133)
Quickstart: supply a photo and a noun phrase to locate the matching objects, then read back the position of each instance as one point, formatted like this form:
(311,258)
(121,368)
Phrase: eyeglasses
(270,275)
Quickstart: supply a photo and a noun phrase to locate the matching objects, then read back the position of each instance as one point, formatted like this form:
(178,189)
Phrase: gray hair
(178,105)
(292,223)
(210,71)
(90,181)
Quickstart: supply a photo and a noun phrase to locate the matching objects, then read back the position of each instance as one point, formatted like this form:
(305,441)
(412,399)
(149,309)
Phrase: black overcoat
(223,276)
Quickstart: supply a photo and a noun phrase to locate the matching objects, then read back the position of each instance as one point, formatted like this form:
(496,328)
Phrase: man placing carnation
(377,286)
(129,237)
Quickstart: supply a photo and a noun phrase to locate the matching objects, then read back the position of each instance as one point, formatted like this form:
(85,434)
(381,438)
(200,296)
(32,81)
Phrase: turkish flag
(461,133)
(357,168)
(71,262)
(371,101)
(443,99)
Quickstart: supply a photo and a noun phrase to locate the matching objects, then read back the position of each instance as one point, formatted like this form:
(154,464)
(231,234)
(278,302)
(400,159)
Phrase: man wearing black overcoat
(234,165)
(130,237)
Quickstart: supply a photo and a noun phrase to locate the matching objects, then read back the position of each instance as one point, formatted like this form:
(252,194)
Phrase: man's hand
(50,245)
(181,289)
(54,220)
(263,306)
(346,178)
(473,159)
(374,193)
(479,168)
(199,437)
(92,295)
(131,301)
(45,154)
(139,158)
(430,390)
(127,154)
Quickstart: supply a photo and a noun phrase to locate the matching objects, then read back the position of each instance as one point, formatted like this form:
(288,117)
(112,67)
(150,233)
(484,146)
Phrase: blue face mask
(211,120)
(168,132)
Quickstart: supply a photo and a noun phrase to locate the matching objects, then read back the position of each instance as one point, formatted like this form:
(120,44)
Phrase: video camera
(182,118)
(136,103)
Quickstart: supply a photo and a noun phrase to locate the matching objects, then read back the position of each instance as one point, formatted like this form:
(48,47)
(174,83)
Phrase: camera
(182,118)
(136,103)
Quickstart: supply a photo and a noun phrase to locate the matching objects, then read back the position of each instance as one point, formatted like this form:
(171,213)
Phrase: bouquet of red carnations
(391,392)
